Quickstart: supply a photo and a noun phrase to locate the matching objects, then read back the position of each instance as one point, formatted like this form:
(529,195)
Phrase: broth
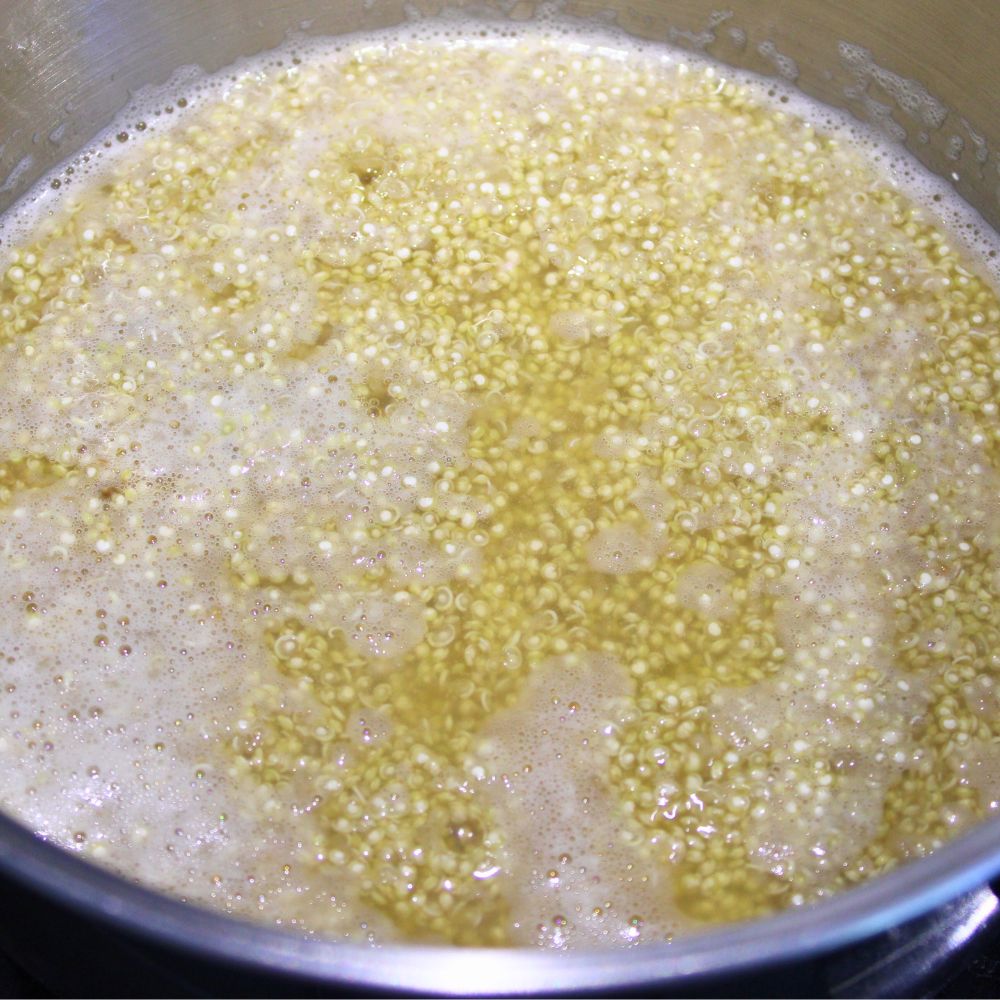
(512,487)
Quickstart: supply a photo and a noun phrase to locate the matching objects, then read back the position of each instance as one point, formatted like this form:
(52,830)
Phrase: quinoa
(595,372)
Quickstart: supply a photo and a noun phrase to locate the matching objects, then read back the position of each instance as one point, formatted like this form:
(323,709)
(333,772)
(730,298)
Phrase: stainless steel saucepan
(927,71)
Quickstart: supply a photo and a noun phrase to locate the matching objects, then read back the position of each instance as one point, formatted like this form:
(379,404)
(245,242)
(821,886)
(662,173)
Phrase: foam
(978,767)
(621,548)
(103,756)
(706,588)
(578,874)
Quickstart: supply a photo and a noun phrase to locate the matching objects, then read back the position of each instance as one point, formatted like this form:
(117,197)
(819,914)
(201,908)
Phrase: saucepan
(924,71)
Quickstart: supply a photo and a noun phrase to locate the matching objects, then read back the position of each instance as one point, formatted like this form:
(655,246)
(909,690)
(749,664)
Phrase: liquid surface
(515,491)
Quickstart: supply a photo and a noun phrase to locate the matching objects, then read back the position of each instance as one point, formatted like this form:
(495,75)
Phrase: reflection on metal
(916,956)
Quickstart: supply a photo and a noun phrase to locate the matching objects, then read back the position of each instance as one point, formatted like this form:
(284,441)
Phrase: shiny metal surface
(926,70)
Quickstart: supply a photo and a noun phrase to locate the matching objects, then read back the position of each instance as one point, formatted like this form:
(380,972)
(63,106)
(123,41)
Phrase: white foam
(578,872)
(706,588)
(621,548)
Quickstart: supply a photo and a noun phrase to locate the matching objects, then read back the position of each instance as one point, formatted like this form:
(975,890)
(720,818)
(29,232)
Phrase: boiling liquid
(513,488)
